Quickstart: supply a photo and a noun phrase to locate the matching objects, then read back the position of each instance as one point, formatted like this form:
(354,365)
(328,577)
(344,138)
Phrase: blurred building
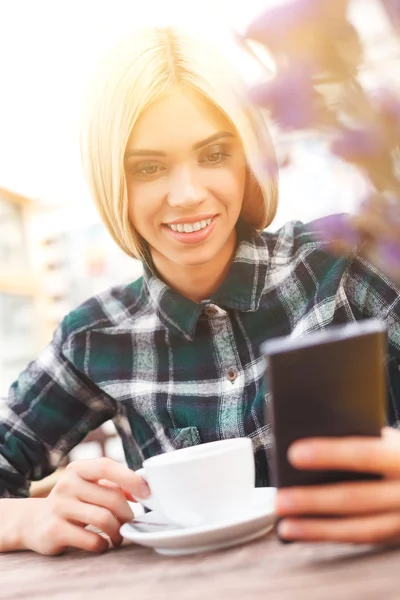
(50,262)
(20,326)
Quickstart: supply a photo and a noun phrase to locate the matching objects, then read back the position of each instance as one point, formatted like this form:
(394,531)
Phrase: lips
(190,227)
(192,219)
(191,237)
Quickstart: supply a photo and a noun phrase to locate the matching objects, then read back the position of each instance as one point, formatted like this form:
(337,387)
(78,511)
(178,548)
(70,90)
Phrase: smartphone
(331,383)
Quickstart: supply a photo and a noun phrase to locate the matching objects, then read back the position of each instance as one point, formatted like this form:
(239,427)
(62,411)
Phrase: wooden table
(263,569)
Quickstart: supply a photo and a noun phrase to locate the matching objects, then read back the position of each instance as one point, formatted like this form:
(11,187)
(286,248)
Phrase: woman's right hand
(91,492)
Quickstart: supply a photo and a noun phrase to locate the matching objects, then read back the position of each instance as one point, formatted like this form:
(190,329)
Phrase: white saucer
(156,532)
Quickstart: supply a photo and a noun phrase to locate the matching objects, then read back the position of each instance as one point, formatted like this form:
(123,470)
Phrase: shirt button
(232,375)
(210,311)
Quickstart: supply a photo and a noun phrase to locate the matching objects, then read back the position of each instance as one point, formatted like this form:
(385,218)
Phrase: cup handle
(146,502)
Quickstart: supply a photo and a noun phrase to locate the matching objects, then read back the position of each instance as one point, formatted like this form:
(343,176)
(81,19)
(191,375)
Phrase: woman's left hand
(361,512)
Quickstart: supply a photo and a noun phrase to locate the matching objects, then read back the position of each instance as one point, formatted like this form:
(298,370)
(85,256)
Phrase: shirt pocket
(184,437)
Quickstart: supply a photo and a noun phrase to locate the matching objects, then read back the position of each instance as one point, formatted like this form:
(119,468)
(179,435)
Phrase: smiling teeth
(190,227)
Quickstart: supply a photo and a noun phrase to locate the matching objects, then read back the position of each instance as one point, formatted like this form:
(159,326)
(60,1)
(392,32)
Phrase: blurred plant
(392,8)
(315,48)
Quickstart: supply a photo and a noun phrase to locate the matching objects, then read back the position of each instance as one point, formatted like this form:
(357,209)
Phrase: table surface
(261,569)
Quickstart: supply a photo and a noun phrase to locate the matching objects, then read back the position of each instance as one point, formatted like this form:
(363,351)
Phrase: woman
(170,152)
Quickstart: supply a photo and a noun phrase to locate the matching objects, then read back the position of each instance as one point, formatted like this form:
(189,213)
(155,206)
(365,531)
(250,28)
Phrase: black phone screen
(328,383)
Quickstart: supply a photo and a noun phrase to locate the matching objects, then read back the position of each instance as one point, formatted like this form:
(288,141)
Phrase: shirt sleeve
(50,408)
(373,294)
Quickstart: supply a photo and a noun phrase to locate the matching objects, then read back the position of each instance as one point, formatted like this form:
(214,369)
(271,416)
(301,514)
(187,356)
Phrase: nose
(185,190)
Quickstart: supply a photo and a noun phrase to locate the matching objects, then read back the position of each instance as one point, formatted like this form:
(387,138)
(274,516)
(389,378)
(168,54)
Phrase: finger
(76,537)
(111,498)
(72,487)
(351,498)
(114,486)
(97,516)
(106,468)
(359,454)
(359,530)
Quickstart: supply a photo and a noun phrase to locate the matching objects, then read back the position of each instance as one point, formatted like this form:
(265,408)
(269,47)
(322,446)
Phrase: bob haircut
(138,71)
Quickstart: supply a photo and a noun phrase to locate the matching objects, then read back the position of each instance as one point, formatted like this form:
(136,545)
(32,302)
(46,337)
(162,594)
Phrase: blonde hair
(138,71)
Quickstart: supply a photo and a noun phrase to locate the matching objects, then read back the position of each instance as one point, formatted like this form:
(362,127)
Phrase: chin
(196,258)
(195,262)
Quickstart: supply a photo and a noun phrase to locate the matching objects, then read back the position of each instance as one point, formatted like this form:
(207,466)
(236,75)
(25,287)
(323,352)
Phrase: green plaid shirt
(172,373)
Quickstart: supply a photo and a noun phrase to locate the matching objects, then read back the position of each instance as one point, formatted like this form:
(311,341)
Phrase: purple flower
(335,228)
(390,253)
(359,145)
(313,31)
(278,22)
(388,106)
(290,97)
(392,8)
(273,26)
(393,214)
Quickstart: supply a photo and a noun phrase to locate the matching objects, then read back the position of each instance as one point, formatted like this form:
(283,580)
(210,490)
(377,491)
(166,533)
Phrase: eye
(151,170)
(147,170)
(216,157)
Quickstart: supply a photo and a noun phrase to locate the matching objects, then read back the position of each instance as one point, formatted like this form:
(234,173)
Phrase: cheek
(235,189)
(237,175)
(229,183)
(144,201)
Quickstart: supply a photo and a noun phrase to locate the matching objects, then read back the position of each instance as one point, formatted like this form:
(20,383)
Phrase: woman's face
(185,175)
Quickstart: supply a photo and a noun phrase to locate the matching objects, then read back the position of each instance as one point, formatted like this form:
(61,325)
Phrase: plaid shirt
(171,372)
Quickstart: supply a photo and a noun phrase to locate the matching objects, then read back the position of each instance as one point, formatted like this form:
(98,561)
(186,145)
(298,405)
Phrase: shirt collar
(241,290)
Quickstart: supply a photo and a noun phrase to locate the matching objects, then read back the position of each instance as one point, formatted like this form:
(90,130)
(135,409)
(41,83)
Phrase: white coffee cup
(202,484)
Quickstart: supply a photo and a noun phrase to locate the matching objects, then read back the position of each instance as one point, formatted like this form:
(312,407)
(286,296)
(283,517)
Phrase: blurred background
(54,252)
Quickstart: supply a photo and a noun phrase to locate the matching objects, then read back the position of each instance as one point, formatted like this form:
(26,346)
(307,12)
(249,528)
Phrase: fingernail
(129,497)
(144,490)
(288,530)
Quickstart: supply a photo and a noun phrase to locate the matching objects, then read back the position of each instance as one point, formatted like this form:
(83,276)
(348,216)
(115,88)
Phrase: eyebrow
(197,146)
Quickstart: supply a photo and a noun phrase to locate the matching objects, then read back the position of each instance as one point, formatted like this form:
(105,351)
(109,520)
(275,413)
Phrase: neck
(197,282)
